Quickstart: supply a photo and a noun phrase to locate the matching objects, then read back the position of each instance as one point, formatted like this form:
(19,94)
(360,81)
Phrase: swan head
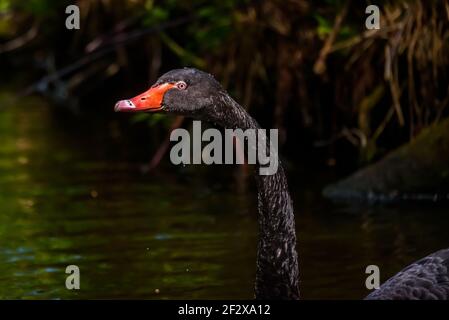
(185,91)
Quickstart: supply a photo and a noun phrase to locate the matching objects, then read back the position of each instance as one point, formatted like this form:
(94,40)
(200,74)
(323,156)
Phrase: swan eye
(181,85)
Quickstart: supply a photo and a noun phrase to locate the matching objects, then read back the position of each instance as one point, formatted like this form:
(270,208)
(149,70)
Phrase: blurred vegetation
(309,68)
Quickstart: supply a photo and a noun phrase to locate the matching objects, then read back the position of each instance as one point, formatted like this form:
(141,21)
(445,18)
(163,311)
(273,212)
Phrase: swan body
(194,93)
(425,279)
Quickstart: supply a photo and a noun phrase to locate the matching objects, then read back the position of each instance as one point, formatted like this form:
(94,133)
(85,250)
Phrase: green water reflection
(72,195)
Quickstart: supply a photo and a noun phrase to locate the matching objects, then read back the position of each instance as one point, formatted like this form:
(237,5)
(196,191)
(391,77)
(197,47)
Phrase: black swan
(197,94)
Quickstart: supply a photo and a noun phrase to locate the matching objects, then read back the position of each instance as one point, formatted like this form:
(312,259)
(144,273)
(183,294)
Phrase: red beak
(149,101)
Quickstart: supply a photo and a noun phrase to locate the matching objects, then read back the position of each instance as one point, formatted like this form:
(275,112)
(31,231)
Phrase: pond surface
(74,194)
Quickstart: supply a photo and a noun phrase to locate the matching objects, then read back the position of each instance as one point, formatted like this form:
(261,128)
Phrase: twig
(121,39)
(162,150)
(20,41)
(320,65)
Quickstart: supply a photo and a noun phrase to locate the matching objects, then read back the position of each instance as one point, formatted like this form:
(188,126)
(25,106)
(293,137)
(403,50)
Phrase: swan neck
(277,274)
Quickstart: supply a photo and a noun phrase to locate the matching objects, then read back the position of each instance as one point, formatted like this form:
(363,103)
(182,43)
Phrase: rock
(418,170)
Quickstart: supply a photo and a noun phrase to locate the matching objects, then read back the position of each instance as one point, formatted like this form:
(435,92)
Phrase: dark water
(74,195)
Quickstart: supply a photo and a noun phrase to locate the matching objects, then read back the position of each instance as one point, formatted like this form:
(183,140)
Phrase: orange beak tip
(149,101)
